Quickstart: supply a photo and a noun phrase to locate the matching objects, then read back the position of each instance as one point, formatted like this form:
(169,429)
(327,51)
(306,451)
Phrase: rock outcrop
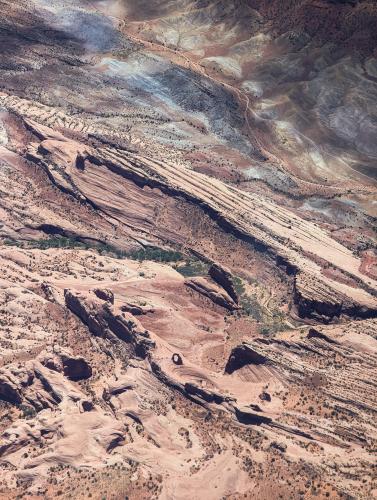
(42,386)
(223,277)
(212,292)
(188,291)
(104,294)
(244,355)
(282,233)
(103,320)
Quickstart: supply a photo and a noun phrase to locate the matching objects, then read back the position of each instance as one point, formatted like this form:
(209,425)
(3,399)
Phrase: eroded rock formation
(188,291)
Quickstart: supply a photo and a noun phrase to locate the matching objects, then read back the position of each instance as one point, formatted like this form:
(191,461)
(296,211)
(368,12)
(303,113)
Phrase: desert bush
(193,268)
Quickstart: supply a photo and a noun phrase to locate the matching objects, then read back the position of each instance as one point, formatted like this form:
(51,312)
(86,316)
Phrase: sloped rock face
(103,320)
(298,243)
(39,386)
(133,390)
(212,292)
(314,300)
(207,396)
(316,334)
(292,359)
(244,355)
(87,312)
(188,275)
(223,277)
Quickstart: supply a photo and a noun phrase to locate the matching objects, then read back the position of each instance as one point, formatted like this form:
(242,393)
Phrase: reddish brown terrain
(188,285)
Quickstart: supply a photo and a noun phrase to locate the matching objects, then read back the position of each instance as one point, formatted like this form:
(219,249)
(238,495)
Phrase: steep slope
(187,249)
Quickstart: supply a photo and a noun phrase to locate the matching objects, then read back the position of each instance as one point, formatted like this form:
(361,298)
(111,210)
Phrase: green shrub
(156,254)
(148,253)
(27,411)
(251,307)
(58,242)
(238,285)
(193,268)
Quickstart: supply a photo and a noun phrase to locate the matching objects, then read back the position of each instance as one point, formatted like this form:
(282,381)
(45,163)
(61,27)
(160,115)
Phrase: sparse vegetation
(147,253)
(251,307)
(271,323)
(193,268)
(274,324)
(27,411)
(156,254)
(238,286)
(52,242)
(249,303)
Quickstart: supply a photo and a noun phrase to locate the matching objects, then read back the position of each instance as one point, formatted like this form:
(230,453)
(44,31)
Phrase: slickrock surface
(188,266)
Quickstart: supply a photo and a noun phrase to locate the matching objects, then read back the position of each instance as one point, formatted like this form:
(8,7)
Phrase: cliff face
(188,284)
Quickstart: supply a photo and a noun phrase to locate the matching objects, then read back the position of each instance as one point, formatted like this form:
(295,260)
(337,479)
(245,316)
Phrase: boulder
(132,308)
(282,447)
(265,396)
(86,405)
(104,294)
(245,415)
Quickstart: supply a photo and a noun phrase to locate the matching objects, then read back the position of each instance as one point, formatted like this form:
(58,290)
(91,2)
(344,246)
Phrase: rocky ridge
(298,243)
(187,250)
